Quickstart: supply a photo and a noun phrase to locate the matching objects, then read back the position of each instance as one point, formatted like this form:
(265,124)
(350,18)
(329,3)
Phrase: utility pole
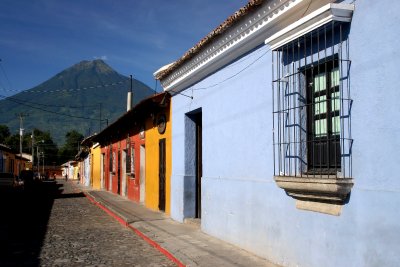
(100,119)
(21,135)
(43,163)
(33,149)
(129,97)
(38,160)
(131,84)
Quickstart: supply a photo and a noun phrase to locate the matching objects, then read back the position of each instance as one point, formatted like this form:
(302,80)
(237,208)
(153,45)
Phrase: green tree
(4,133)
(13,142)
(45,144)
(73,140)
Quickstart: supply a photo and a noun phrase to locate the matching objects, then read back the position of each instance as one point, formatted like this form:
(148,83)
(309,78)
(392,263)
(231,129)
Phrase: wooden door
(119,173)
(161,175)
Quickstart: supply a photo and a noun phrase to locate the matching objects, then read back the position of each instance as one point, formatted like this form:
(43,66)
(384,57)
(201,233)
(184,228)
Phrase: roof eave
(233,19)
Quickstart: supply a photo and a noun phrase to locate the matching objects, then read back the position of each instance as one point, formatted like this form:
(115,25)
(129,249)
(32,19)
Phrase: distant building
(90,163)
(7,159)
(12,162)
(135,159)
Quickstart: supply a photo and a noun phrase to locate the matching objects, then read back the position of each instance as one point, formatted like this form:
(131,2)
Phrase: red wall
(133,191)
(133,185)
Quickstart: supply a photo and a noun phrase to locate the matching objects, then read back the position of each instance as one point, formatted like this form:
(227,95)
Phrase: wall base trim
(327,208)
(325,195)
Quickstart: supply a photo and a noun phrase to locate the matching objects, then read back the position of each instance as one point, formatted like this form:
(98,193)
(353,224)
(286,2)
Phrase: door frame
(124,177)
(162,174)
(142,173)
(193,164)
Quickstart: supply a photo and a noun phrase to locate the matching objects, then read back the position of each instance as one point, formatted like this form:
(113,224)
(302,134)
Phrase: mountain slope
(75,98)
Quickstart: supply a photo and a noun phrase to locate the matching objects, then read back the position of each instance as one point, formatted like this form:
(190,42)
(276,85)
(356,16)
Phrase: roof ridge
(225,25)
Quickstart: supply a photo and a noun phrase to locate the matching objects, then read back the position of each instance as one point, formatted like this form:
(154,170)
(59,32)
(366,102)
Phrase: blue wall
(240,201)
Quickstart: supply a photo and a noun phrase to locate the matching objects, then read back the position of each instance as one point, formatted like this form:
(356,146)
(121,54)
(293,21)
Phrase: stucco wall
(240,201)
(152,162)
(133,187)
(96,166)
(86,170)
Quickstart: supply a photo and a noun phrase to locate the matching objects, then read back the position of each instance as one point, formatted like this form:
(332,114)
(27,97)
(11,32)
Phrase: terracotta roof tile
(231,20)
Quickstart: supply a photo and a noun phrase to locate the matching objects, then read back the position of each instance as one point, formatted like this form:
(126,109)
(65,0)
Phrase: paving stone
(73,232)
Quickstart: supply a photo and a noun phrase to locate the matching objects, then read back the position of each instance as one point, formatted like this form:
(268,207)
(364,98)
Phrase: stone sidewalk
(186,242)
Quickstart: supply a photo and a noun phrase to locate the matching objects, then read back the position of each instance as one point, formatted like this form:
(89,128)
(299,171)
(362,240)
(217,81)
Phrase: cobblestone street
(56,226)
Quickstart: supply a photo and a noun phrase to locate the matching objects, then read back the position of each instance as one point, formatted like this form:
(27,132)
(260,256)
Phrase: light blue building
(285,132)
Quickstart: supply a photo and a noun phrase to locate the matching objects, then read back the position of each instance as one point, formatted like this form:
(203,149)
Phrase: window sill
(130,176)
(325,195)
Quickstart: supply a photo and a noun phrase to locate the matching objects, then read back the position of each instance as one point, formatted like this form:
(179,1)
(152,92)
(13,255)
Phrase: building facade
(284,132)
(95,166)
(135,155)
(7,160)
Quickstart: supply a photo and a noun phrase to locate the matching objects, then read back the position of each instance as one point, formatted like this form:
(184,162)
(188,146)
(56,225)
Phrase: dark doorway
(161,175)
(197,118)
(119,173)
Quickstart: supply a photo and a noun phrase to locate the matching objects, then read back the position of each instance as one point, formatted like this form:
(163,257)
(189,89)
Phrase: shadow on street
(24,218)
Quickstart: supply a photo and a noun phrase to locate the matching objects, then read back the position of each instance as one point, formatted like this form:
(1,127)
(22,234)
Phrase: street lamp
(42,155)
(37,153)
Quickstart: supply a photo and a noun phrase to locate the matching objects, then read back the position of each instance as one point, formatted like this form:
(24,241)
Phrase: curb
(143,236)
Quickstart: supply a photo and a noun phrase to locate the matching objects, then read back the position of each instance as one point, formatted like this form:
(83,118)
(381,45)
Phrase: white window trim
(321,16)
(318,194)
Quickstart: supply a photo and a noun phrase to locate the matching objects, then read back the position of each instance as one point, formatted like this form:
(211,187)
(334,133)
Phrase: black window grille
(312,104)
(128,160)
(128,155)
(132,161)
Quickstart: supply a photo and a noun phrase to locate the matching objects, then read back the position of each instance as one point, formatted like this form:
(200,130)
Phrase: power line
(75,89)
(226,79)
(49,111)
(234,75)
(68,90)
(49,105)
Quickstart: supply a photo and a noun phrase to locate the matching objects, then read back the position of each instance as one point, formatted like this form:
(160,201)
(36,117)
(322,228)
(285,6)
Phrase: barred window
(114,162)
(132,162)
(128,160)
(312,104)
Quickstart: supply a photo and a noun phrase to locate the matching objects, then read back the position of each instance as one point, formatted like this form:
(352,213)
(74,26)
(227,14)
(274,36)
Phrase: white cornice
(243,37)
(316,19)
(162,68)
(246,35)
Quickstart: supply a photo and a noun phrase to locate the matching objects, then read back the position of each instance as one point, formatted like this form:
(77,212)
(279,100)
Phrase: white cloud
(101,57)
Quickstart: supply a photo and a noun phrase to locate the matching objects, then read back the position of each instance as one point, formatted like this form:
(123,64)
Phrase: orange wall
(152,162)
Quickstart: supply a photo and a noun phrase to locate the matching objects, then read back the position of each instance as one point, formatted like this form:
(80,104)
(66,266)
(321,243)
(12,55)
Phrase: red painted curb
(143,236)
(109,212)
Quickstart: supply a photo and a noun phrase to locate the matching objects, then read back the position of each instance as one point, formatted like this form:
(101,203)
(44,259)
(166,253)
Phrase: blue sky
(40,38)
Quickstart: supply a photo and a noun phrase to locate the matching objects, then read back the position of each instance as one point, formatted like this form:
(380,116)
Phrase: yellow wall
(96,163)
(76,170)
(152,163)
